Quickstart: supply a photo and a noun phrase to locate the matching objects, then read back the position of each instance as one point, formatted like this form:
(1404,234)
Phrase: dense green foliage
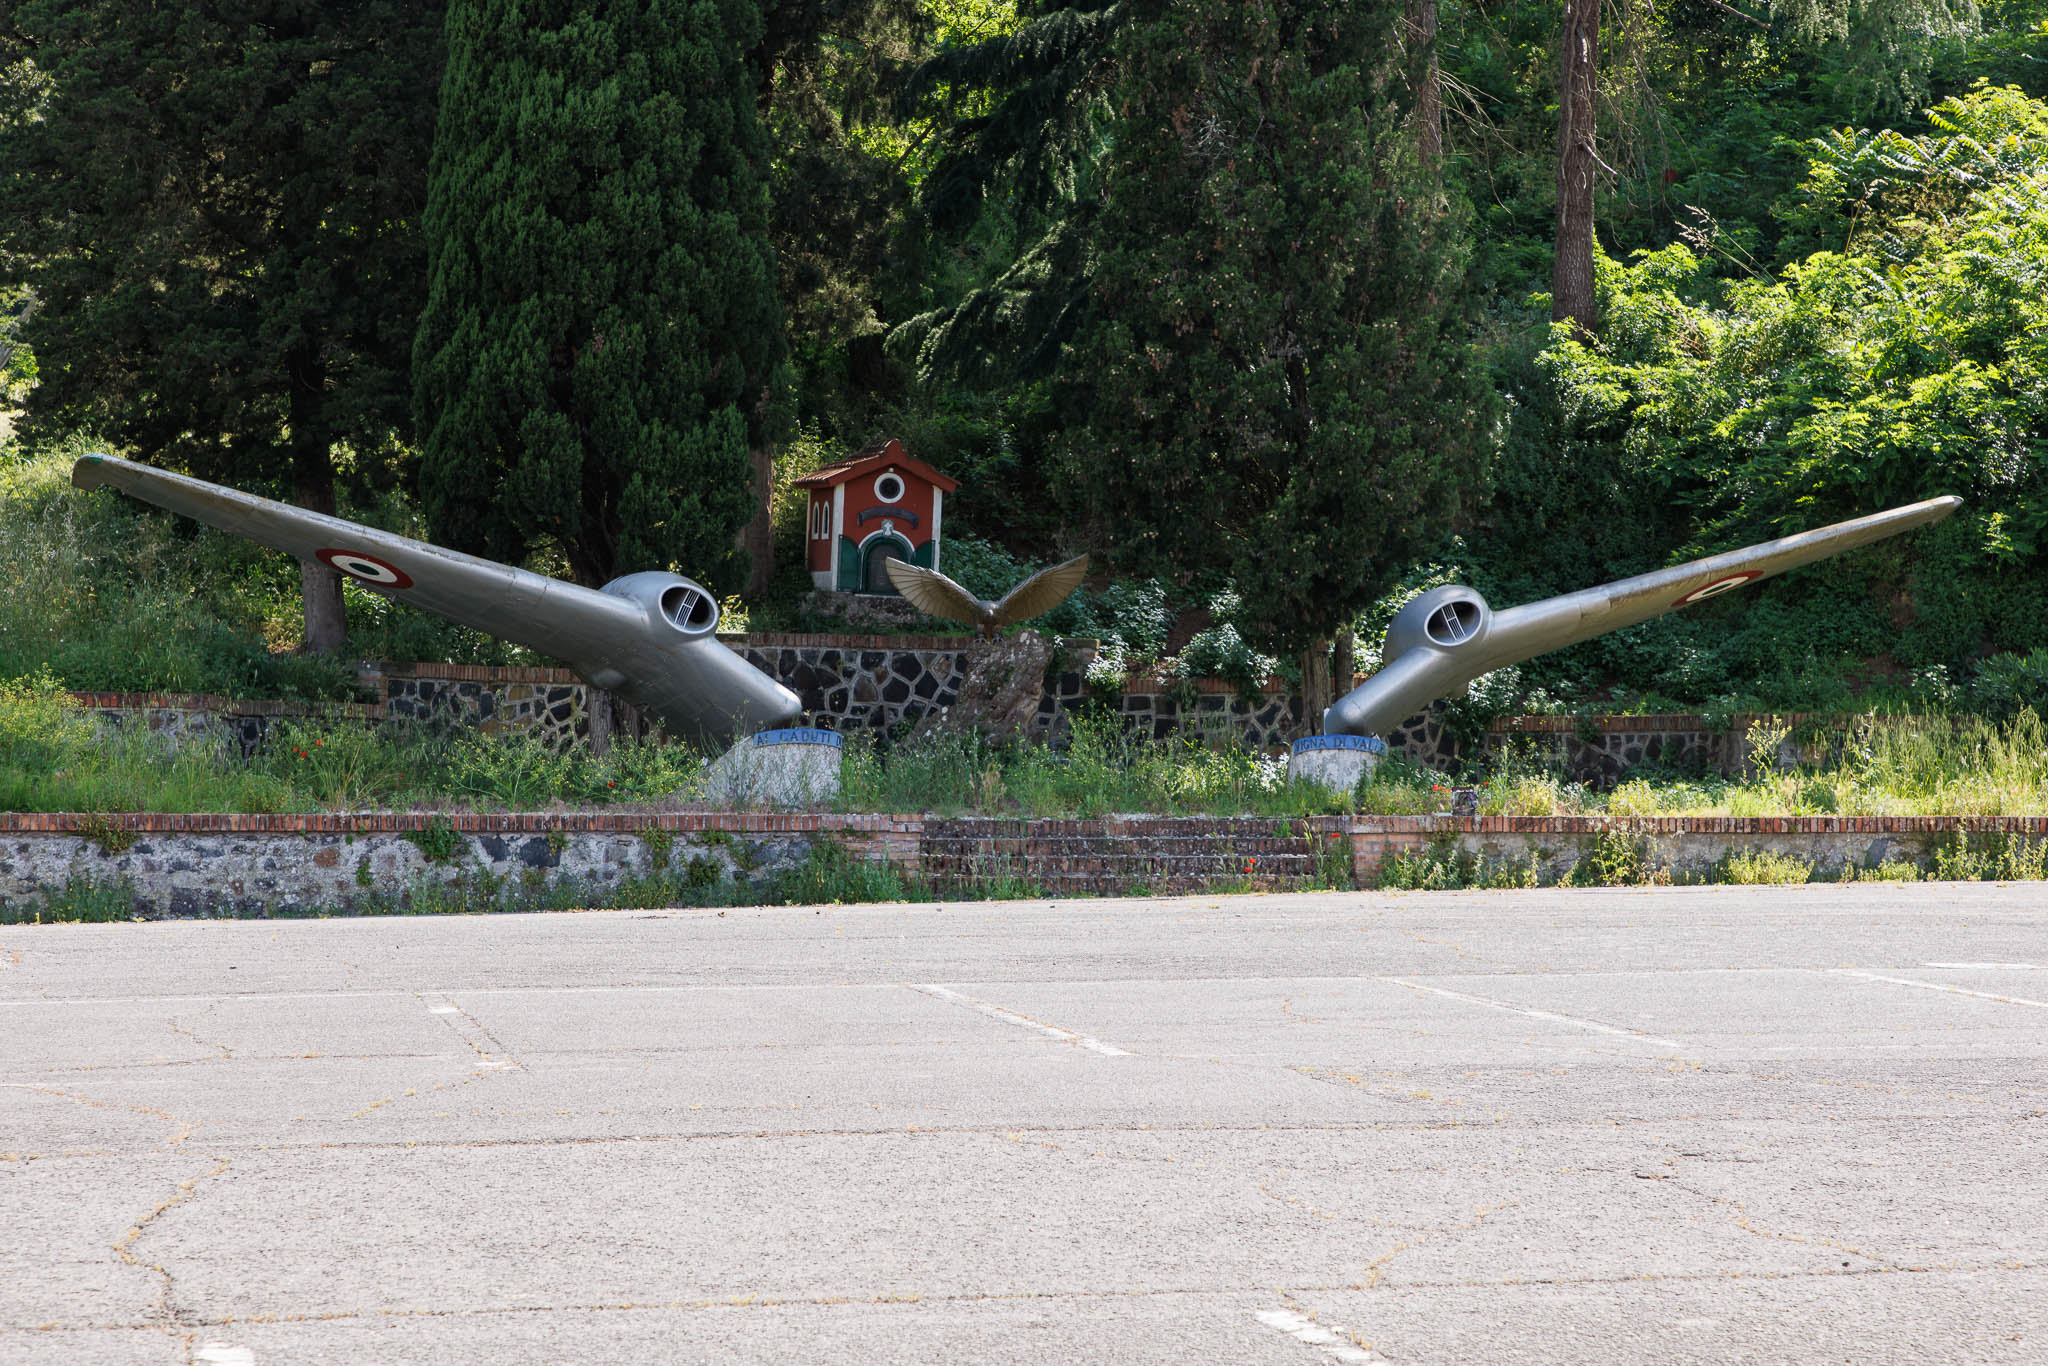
(215,208)
(1906,362)
(110,594)
(601,330)
(1275,374)
(1817,298)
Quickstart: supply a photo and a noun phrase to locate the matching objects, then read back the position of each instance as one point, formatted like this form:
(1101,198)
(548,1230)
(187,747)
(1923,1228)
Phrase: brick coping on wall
(1135,824)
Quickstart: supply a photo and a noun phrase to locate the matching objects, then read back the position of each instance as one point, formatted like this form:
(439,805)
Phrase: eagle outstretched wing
(933,593)
(1042,592)
(936,595)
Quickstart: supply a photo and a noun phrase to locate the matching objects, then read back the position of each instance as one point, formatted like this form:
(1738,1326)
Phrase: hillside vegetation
(1283,314)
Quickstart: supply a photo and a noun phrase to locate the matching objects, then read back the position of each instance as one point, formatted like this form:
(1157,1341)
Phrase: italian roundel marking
(1718,587)
(368,568)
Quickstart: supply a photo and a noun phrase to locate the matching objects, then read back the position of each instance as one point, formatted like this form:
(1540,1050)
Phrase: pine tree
(1277,376)
(215,205)
(1020,119)
(601,333)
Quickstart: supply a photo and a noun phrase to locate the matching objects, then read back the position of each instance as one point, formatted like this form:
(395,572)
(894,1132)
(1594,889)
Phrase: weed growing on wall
(1611,859)
(80,899)
(833,874)
(1332,863)
(1889,870)
(1442,866)
(1762,868)
(1963,857)
(438,840)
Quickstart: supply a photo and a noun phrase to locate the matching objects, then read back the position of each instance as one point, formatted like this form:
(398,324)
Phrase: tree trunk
(1571,287)
(313,490)
(1316,696)
(757,537)
(1344,663)
(597,720)
(1429,94)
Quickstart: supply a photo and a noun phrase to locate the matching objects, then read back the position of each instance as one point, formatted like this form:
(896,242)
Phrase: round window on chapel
(889,487)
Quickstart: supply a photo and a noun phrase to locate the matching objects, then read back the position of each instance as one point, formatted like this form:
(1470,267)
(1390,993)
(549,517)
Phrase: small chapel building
(880,504)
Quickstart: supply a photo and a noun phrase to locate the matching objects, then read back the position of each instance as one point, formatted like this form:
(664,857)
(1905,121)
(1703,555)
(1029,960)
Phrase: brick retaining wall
(211,864)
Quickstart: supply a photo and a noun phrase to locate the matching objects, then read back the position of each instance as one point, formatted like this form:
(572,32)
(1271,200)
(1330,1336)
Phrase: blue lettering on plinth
(1369,744)
(800,735)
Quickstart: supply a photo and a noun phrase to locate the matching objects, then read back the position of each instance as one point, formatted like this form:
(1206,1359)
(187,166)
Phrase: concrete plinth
(796,767)
(1335,761)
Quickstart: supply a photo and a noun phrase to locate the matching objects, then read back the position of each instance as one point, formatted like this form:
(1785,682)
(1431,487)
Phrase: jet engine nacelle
(1435,645)
(671,601)
(1449,618)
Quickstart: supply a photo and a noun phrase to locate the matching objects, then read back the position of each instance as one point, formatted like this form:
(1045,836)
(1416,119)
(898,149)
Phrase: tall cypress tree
(216,204)
(601,331)
(1278,379)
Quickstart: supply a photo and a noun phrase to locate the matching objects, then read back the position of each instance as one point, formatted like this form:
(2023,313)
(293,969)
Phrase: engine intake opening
(1454,623)
(687,609)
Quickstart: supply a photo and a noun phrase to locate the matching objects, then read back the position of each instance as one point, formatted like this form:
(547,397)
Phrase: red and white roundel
(368,568)
(1718,587)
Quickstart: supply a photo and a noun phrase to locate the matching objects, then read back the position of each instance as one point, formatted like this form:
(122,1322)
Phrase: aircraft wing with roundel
(1539,627)
(1448,636)
(649,637)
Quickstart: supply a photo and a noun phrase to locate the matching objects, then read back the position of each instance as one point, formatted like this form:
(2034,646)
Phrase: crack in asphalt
(923,1131)
(1377,1267)
(181,1130)
(1744,1220)
(492,1061)
(800,1301)
(222,1052)
(164,1314)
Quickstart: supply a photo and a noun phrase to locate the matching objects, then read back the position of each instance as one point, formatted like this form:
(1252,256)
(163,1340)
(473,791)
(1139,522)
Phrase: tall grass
(1887,766)
(55,756)
(1102,769)
(107,593)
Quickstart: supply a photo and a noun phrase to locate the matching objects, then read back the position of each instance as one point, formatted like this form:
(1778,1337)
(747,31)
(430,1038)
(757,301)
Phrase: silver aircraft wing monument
(1449,636)
(647,637)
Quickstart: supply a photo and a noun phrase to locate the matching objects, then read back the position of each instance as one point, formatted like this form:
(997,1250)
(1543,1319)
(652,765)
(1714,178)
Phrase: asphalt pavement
(1717,1124)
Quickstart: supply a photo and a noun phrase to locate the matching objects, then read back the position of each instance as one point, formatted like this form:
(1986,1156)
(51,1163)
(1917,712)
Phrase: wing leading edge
(647,637)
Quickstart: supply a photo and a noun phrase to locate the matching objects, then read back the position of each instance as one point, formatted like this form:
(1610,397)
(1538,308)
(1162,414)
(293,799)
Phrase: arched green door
(875,572)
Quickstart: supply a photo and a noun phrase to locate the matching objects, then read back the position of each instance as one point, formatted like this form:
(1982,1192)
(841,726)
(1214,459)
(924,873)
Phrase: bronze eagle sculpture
(933,593)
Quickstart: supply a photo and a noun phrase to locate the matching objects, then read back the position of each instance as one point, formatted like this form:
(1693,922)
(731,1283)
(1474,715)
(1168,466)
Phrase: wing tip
(89,470)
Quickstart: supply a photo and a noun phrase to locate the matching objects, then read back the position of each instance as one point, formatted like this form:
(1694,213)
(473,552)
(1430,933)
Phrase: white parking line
(1315,1335)
(1012,1017)
(1941,986)
(1987,967)
(221,1354)
(1533,1014)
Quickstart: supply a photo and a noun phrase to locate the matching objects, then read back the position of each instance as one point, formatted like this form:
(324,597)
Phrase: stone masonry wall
(238,723)
(229,865)
(881,683)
